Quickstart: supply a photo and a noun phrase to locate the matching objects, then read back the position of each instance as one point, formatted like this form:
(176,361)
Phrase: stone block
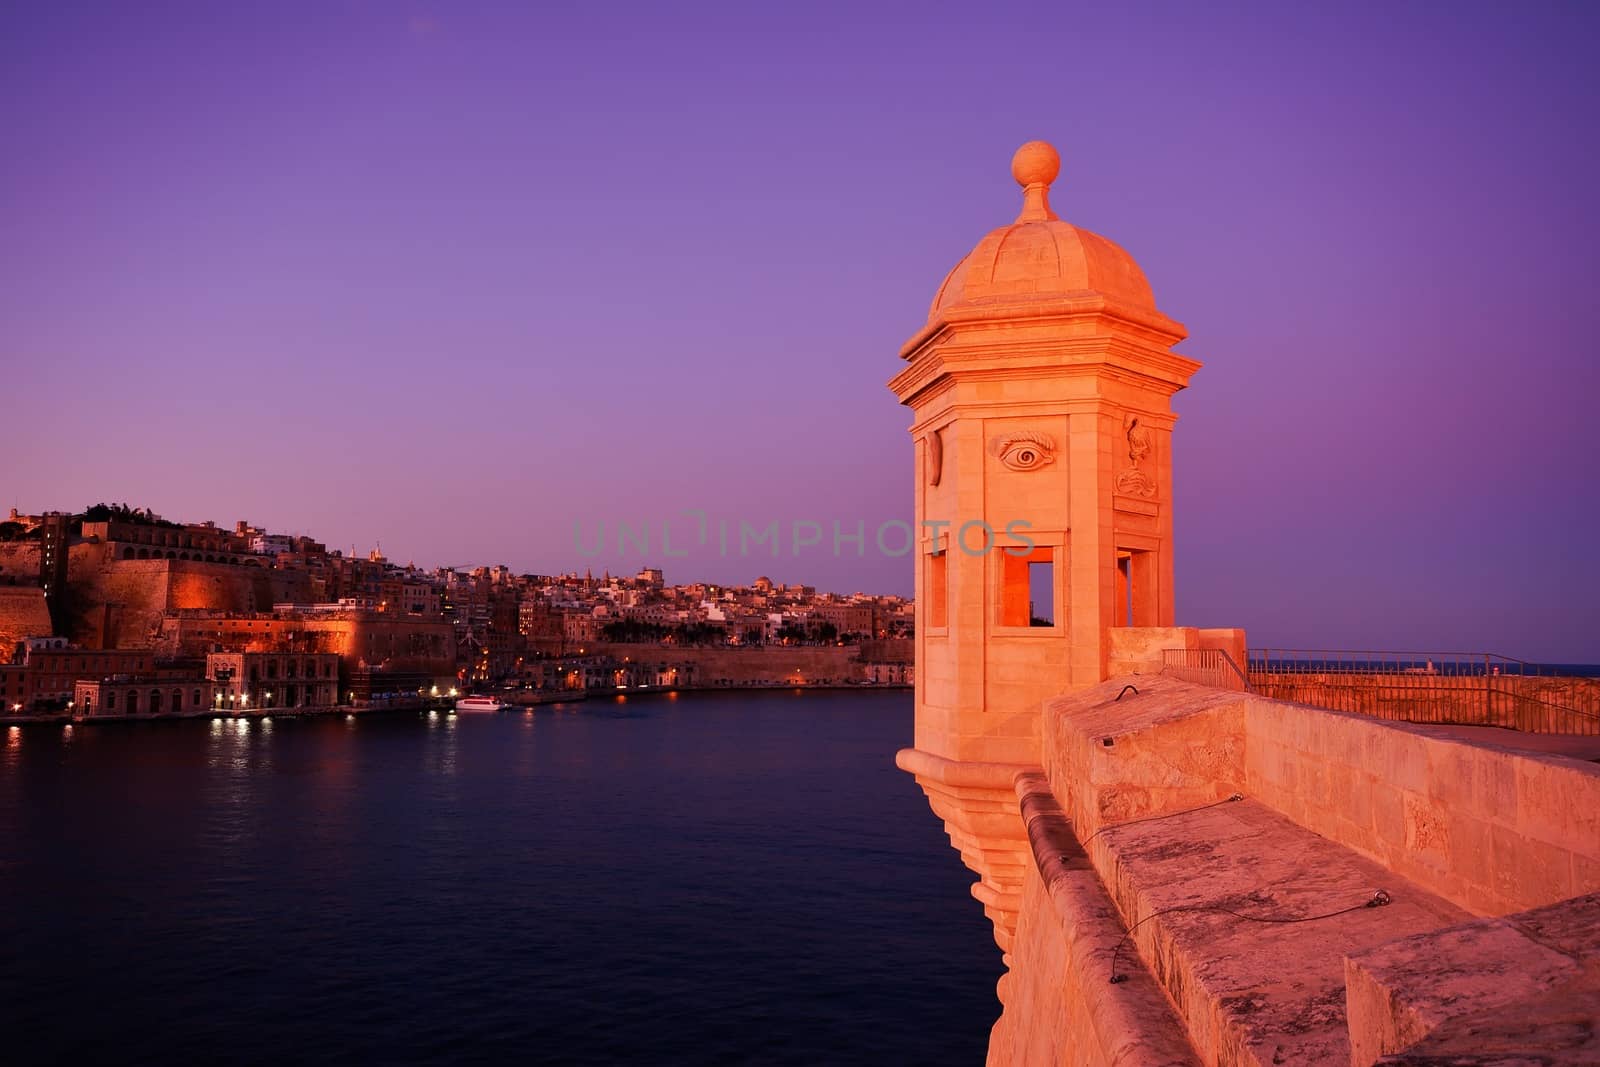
(1398,993)
(1388,819)
(1528,872)
(1453,774)
(1471,857)
(1559,803)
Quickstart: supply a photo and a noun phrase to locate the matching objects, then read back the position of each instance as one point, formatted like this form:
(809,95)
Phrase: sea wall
(760,665)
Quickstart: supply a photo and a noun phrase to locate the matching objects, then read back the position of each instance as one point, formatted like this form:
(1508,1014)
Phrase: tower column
(1040,389)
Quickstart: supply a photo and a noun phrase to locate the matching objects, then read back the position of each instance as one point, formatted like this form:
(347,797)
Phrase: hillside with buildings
(118,597)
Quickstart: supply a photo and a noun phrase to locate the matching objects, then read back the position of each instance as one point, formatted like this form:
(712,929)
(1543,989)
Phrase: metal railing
(1475,688)
(1205,666)
(1417,664)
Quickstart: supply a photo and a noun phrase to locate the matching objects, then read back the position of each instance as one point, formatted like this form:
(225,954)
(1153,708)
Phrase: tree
(789,633)
(104,512)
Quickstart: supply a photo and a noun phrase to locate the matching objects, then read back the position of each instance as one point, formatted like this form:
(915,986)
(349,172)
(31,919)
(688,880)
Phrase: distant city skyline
(454,280)
(619,564)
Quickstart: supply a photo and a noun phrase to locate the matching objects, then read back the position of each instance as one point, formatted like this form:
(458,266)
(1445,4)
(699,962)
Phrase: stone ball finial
(1036,163)
(1035,166)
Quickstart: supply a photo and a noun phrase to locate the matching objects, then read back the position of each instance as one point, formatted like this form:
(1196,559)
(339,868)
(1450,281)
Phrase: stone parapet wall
(1064,1008)
(1113,754)
(1491,829)
(1180,808)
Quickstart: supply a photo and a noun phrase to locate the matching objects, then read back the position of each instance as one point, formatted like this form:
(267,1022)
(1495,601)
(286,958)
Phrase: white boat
(481,704)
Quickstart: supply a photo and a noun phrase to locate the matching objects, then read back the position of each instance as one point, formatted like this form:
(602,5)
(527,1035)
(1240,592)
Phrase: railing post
(1488,691)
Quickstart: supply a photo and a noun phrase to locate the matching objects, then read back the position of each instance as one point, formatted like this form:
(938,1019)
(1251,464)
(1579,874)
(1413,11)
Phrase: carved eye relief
(1023,457)
(1025,451)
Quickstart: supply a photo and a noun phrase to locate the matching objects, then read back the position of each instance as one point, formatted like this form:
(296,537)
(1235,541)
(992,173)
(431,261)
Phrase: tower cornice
(1088,356)
(1073,310)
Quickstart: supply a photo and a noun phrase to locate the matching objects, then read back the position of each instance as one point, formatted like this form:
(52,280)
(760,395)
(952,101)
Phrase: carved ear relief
(1023,450)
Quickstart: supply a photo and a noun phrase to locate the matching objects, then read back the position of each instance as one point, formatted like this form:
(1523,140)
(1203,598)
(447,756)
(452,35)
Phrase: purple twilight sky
(454,277)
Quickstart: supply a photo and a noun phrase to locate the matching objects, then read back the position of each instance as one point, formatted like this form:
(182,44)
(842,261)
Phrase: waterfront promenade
(518,698)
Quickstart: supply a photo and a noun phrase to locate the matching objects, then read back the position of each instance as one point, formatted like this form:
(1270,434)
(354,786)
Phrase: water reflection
(245,887)
(443,744)
(239,763)
(526,750)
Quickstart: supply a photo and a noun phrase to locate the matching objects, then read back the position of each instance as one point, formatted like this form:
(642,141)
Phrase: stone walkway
(1573,746)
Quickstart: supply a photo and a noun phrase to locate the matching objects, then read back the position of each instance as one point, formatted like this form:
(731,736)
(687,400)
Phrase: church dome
(1039,257)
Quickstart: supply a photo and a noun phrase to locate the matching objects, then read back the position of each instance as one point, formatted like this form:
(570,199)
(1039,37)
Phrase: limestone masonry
(1185,873)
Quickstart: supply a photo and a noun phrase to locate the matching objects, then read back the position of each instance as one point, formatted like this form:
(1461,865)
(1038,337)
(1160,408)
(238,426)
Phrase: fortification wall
(19,560)
(22,614)
(1132,817)
(766,665)
(395,642)
(1485,826)
(889,650)
(122,602)
(1491,829)
(1063,1008)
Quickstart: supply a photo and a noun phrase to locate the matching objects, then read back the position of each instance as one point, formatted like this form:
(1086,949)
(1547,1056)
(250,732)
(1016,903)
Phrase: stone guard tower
(1040,390)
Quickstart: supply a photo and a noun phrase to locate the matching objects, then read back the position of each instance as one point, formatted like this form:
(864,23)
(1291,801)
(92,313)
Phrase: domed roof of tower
(1039,257)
